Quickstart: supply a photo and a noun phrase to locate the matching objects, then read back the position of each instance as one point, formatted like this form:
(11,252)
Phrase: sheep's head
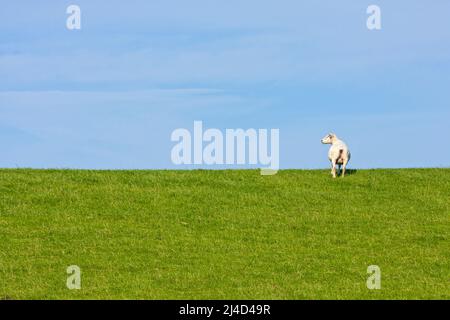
(329,138)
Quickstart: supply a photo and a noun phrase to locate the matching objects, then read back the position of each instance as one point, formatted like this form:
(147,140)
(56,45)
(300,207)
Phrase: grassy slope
(224,234)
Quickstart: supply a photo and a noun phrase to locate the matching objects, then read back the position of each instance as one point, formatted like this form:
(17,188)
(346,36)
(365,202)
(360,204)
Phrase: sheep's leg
(344,165)
(333,170)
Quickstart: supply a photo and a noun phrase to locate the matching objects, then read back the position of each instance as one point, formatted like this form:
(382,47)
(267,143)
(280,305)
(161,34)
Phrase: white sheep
(339,154)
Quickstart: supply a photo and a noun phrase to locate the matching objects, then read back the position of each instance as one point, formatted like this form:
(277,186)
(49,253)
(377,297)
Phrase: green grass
(224,234)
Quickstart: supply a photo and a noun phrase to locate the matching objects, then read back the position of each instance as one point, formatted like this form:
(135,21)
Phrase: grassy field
(224,234)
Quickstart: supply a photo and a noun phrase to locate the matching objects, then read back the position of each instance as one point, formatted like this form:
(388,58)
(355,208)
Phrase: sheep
(339,154)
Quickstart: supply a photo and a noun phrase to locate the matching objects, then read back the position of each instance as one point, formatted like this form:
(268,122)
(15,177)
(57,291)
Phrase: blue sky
(109,95)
